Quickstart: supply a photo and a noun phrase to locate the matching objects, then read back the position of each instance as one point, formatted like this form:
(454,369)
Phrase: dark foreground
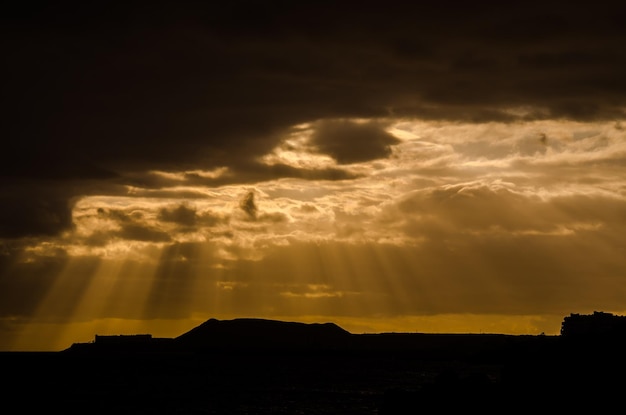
(503,374)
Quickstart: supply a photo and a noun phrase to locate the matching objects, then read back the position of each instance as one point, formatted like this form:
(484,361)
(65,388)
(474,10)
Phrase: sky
(386,166)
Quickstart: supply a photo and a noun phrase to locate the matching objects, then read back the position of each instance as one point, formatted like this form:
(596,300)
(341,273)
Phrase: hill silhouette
(263,334)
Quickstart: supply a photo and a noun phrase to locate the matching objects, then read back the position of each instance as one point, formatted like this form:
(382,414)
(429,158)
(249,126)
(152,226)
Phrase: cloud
(351,142)
(211,219)
(34,211)
(248,205)
(479,206)
(503,210)
(137,232)
(111,225)
(182,215)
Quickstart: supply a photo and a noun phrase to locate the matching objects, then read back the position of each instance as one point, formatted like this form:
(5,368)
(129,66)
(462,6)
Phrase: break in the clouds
(381,164)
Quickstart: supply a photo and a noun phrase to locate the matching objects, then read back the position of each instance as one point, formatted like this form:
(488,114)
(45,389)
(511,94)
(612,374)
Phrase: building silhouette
(597,324)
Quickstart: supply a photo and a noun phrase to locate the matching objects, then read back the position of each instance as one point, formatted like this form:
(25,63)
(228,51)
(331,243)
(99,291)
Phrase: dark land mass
(254,366)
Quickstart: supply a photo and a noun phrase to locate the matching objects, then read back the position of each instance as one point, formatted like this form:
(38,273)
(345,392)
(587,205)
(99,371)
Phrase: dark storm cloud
(99,91)
(351,142)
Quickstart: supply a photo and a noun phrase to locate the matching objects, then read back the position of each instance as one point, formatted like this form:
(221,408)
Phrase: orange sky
(178,167)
